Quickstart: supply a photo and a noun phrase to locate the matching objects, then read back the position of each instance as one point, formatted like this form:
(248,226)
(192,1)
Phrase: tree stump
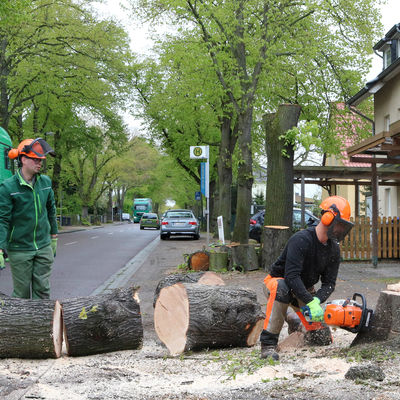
(385,323)
(193,317)
(201,277)
(244,257)
(274,240)
(30,328)
(103,323)
(199,261)
(218,260)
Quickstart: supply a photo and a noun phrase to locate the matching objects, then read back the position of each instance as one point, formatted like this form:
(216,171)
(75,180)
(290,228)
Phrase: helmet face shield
(38,148)
(339,228)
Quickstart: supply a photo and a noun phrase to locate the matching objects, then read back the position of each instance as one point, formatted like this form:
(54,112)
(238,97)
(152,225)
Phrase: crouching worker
(310,256)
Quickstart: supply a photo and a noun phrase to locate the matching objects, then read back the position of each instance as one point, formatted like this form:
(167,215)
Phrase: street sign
(197,195)
(204,178)
(199,152)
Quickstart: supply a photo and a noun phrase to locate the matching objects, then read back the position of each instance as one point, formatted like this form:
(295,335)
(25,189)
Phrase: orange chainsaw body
(348,316)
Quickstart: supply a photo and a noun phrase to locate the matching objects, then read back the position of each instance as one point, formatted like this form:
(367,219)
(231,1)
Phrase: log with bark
(103,323)
(244,257)
(274,239)
(201,277)
(193,317)
(199,261)
(385,322)
(30,328)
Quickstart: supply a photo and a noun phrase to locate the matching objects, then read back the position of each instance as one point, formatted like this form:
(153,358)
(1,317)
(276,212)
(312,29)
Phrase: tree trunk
(385,323)
(207,317)
(202,278)
(227,145)
(274,239)
(110,205)
(30,328)
(279,196)
(103,323)
(57,165)
(244,178)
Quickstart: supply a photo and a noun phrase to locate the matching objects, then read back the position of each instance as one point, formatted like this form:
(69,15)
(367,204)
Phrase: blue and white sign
(204,178)
(197,195)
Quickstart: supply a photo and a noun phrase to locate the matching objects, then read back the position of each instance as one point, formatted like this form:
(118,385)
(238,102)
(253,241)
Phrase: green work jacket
(27,213)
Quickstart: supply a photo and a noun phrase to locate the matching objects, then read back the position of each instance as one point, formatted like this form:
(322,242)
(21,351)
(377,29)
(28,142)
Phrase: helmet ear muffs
(327,217)
(13,154)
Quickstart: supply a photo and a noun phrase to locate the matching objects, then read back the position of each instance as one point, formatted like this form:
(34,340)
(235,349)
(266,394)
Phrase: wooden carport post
(374,182)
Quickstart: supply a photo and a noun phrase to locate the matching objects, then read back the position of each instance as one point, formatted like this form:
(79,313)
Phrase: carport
(380,152)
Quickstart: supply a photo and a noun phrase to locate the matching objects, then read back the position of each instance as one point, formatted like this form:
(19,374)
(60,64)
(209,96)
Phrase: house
(384,145)
(358,195)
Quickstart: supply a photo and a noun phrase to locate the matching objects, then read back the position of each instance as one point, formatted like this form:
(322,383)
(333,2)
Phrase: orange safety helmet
(32,148)
(334,206)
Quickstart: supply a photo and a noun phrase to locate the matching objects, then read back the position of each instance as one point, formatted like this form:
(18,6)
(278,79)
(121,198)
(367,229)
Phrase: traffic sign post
(201,153)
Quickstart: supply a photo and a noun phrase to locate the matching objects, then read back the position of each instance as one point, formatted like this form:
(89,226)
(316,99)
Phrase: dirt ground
(238,373)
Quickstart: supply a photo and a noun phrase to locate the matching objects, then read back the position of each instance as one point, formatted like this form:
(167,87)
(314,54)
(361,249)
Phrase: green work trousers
(31,270)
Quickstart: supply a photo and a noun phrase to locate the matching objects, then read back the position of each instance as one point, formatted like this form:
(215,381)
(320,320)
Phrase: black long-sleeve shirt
(305,261)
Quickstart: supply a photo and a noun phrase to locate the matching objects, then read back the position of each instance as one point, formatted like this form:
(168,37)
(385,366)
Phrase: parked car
(126,217)
(149,220)
(179,222)
(257,222)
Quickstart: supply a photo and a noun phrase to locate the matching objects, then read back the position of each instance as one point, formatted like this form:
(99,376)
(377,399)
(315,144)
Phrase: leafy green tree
(255,46)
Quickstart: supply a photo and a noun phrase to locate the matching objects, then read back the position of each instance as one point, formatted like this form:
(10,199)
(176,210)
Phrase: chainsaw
(348,314)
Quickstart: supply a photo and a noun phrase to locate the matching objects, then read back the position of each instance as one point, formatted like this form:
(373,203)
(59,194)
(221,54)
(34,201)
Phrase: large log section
(202,278)
(103,323)
(193,317)
(385,323)
(30,328)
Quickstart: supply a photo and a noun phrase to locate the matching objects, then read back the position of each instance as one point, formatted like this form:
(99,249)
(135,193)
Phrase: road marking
(110,233)
(120,278)
(67,244)
(94,237)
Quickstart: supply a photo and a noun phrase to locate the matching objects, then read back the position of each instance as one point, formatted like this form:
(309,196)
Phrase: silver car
(179,222)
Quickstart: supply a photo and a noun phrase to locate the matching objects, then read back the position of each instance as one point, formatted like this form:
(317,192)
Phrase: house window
(386,123)
(387,57)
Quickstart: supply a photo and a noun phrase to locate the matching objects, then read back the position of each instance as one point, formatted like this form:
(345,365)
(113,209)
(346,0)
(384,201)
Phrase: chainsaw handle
(363,308)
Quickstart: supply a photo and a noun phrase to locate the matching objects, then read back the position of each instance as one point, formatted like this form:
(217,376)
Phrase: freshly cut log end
(201,277)
(194,317)
(199,261)
(171,317)
(57,329)
(30,328)
(103,323)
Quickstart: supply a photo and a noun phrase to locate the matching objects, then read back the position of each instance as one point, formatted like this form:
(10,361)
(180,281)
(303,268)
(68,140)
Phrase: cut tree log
(30,328)
(201,277)
(274,240)
(244,257)
(199,261)
(193,317)
(103,323)
(385,321)
(218,260)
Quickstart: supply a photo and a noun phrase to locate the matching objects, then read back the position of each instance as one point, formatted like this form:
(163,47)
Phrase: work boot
(319,337)
(269,351)
(294,323)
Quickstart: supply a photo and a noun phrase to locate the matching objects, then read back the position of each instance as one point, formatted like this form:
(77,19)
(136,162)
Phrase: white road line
(67,244)
(94,237)
(110,233)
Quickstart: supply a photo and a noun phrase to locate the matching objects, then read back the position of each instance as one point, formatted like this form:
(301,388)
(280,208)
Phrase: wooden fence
(358,243)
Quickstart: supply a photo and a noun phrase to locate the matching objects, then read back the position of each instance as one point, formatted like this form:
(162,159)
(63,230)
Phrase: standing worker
(310,255)
(28,225)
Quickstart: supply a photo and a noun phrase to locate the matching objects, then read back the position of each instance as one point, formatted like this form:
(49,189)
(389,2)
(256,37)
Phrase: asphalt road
(88,258)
